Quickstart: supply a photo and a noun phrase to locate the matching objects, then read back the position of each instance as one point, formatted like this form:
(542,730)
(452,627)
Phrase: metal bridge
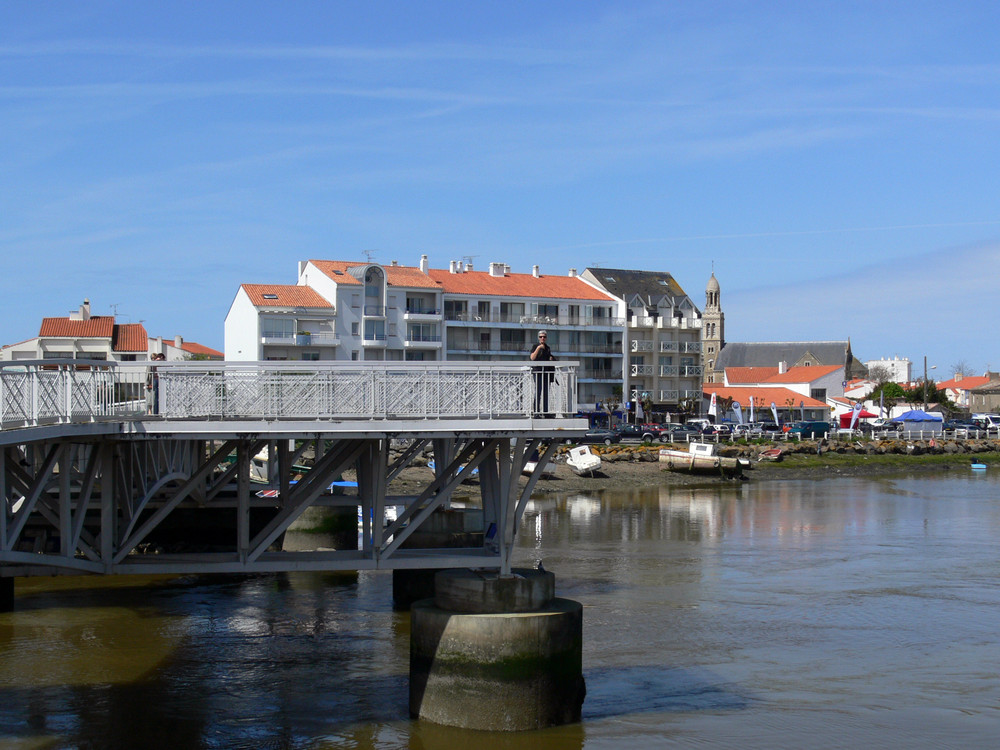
(99,458)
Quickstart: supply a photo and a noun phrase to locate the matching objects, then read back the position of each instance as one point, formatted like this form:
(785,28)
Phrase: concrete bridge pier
(6,594)
(496,652)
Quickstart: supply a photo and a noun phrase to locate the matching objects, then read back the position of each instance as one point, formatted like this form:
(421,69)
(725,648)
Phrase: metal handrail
(41,392)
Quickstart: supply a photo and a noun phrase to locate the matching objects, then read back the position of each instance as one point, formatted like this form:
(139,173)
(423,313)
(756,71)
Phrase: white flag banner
(640,415)
(738,411)
(774,412)
(854,414)
(712,408)
(802,410)
(751,410)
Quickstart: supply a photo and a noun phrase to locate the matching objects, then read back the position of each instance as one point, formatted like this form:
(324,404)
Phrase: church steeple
(713,325)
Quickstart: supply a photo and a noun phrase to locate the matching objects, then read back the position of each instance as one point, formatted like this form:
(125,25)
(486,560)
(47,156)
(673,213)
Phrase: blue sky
(837,162)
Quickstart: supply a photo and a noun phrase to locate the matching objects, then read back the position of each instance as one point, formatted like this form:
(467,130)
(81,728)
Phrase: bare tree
(962,368)
(880,373)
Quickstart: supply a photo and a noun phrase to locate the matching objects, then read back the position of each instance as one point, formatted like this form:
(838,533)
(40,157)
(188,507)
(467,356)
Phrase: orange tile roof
(966,383)
(764,396)
(738,375)
(408,276)
(130,337)
(517,285)
(287,295)
(97,327)
(193,348)
(803,374)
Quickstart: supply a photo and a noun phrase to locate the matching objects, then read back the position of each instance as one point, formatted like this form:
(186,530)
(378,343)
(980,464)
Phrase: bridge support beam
(496,652)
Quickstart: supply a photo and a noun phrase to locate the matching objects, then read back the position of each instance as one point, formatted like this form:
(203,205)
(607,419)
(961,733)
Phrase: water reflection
(806,613)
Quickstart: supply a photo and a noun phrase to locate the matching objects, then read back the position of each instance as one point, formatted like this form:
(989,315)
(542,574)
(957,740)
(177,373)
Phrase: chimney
(506,268)
(468,267)
(958,376)
(534,271)
(572,273)
(451,267)
(782,368)
(496,269)
(178,341)
(393,262)
(423,264)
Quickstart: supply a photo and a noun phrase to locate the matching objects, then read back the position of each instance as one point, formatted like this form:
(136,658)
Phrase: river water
(842,613)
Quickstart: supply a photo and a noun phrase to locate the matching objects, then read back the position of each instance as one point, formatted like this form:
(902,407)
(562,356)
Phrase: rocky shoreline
(626,467)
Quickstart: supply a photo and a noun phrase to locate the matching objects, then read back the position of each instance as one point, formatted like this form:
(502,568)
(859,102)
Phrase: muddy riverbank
(635,466)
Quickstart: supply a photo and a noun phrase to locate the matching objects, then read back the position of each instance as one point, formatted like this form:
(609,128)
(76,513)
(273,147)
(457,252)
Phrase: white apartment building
(342,310)
(662,335)
(898,370)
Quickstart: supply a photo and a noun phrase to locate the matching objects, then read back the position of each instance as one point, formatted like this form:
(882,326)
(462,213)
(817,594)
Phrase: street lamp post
(933,367)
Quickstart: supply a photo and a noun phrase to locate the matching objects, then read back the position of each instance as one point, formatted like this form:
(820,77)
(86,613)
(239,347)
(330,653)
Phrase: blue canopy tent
(917,420)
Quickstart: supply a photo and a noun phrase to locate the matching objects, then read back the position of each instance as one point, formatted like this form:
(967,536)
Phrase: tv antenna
(370,254)
(469,258)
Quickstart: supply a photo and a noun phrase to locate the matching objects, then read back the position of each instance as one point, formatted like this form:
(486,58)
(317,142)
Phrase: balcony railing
(34,393)
(540,320)
(638,345)
(374,311)
(668,397)
(668,371)
(692,371)
(669,346)
(691,346)
(600,373)
(639,371)
(302,339)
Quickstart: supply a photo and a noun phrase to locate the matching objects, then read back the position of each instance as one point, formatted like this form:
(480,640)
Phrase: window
(354,356)
(310,356)
(483,310)
(355,329)
(278,328)
(374,330)
(270,296)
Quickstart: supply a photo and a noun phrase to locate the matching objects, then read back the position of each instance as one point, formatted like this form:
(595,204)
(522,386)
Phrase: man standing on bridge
(543,375)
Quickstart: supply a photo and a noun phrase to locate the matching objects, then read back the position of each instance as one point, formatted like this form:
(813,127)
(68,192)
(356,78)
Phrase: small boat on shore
(548,471)
(771,454)
(583,461)
(978,467)
(702,458)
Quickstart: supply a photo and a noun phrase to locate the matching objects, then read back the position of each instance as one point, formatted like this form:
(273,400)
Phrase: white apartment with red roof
(357,311)
(81,335)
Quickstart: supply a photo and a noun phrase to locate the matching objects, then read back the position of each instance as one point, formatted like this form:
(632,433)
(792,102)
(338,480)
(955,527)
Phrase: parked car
(638,432)
(812,429)
(747,431)
(599,436)
(679,433)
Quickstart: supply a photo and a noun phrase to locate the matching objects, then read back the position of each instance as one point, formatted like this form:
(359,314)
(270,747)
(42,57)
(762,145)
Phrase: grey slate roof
(769,354)
(650,285)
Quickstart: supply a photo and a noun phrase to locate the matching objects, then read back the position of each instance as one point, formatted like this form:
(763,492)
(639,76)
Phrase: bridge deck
(89,480)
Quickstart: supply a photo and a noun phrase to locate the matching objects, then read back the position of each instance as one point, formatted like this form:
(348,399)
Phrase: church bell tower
(713,330)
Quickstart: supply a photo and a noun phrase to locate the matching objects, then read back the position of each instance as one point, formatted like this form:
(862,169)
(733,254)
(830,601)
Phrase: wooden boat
(583,461)
(702,458)
(771,454)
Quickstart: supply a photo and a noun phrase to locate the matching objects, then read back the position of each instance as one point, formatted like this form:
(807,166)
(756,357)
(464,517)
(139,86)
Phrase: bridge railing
(65,391)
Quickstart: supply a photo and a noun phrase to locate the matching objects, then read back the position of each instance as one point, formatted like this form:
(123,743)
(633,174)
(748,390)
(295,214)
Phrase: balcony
(422,314)
(600,373)
(374,311)
(669,371)
(692,371)
(641,346)
(374,341)
(302,339)
(642,371)
(421,341)
(534,320)
(669,346)
(691,394)
(668,397)
(663,322)
(691,346)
